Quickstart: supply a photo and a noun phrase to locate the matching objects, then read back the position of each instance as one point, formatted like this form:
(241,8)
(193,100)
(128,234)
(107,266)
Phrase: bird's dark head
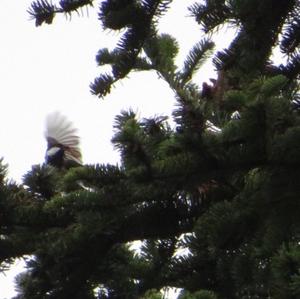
(55,156)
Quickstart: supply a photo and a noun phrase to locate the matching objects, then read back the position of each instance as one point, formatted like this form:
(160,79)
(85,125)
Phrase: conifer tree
(224,184)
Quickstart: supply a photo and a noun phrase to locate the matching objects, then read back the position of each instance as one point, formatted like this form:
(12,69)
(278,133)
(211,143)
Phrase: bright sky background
(49,68)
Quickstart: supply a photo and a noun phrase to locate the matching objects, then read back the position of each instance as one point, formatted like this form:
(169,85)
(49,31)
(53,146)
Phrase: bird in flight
(63,142)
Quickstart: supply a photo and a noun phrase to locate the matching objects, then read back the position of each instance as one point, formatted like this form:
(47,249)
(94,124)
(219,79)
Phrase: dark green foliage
(211,14)
(162,51)
(203,294)
(285,271)
(223,184)
(42,181)
(44,11)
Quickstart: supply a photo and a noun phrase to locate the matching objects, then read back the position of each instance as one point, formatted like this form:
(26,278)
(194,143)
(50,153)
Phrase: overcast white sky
(49,68)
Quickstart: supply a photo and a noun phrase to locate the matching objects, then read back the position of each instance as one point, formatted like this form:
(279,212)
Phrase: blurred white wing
(59,128)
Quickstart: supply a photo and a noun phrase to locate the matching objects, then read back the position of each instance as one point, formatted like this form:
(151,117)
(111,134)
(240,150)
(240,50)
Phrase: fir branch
(3,171)
(163,7)
(190,114)
(139,24)
(69,6)
(117,14)
(130,140)
(123,65)
(295,104)
(211,15)
(42,11)
(104,57)
(162,50)
(273,85)
(157,254)
(142,64)
(123,118)
(92,177)
(42,181)
(123,59)
(102,85)
(155,125)
(190,117)
(149,6)
(197,56)
(291,36)
(292,68)
(156,7)
(225,59)
(133,39)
